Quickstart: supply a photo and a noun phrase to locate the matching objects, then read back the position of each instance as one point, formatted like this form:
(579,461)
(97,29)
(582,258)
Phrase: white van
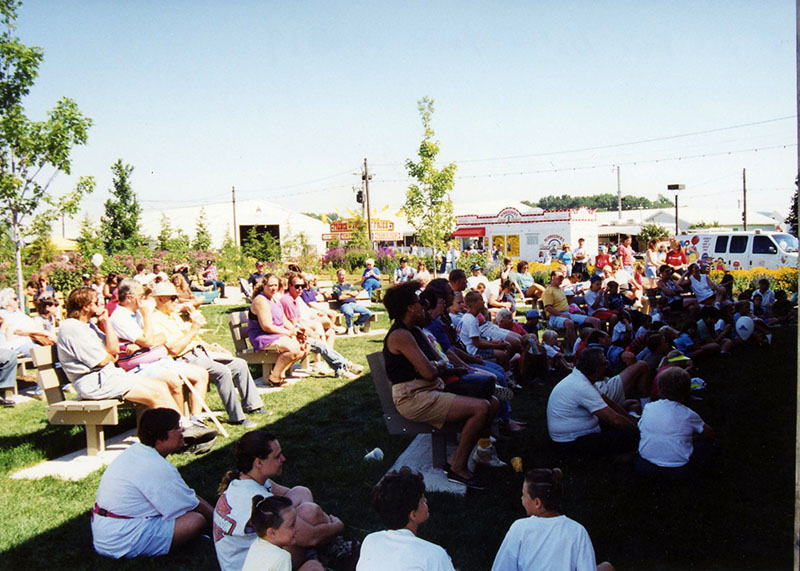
(742,250)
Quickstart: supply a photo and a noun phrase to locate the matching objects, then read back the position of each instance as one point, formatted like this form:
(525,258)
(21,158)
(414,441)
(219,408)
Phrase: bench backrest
(49,374)
(237,321)
(395,422)
(247,289)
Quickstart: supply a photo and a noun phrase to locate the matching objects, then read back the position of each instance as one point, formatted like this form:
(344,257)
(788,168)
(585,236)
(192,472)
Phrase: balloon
(744,327)
(695,240)
(97,260)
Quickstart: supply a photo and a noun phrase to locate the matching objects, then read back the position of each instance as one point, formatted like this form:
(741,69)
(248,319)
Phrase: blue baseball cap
(532,314)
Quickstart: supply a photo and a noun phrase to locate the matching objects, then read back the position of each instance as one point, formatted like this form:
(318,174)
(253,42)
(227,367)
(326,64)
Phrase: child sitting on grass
(546,539)
(273,519)
(668,430)
(555,357)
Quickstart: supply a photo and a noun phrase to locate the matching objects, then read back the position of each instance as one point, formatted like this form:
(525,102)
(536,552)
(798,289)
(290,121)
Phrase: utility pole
(744,199)
(676,188)
(367,176)
(235,227)
(619,197)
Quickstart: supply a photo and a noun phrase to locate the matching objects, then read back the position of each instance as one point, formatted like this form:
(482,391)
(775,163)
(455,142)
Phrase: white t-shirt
(666,430)
(551,350)
(467,330)
(571,406)
(473,281)
(618,332)
(589,297)
(145,278)
(264,556)
(546,543)
(128,325)
(232,534)
(142,485)
(401,550)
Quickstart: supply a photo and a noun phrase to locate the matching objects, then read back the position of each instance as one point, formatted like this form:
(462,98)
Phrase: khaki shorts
(613,389)
(423,401)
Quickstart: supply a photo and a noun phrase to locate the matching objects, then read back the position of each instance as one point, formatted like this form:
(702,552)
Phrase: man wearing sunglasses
(224,370)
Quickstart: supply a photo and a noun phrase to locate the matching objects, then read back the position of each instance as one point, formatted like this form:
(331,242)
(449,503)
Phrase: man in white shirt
(404,273)
(143,506)
(143,276)
(399,499)
(476,278)
(576,407)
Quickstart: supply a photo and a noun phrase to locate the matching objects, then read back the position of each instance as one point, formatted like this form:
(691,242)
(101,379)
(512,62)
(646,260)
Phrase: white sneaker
(343,373)
(321,368)
(355,368)
(488,457)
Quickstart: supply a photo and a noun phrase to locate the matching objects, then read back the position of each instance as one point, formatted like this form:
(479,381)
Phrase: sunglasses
(174,298)
(299,286)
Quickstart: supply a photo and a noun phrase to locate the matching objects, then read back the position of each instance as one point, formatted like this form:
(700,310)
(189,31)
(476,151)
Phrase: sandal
(474,482)
(278,383)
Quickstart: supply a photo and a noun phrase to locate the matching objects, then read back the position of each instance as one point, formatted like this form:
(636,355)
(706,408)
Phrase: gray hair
(502,315)
(590,360)
(6,295)
(128,287)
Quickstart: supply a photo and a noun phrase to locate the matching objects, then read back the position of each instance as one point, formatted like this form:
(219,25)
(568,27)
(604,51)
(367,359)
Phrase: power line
(611,165)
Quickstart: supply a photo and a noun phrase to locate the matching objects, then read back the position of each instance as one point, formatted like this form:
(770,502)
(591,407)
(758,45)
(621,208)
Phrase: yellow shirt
(173,327)
(556,297)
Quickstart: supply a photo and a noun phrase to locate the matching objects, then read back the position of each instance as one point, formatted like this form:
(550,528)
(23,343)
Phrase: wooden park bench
(95,415)
(237,321)
(25,373)
(396,423)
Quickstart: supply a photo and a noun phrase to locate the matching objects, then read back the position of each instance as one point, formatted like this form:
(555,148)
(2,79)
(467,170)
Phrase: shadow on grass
(740,517)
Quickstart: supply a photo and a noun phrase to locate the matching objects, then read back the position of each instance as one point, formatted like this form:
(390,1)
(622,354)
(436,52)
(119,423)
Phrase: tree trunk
(18,260)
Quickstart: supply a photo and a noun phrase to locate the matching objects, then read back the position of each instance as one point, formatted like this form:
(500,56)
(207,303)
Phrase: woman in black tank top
(413,368)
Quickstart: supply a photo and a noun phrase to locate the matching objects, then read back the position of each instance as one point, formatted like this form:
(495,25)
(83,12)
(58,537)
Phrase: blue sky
(284,100)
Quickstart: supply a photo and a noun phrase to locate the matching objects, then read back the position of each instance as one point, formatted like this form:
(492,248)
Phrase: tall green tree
(202,237)
(89,240)
(428,207)
(119,225)
(31,152)
(165,235)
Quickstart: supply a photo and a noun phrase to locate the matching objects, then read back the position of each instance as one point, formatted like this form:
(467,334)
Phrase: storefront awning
(473,231)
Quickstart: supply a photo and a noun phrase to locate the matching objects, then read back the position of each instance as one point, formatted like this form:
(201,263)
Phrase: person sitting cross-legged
(399,499)
(305,320)
(143,506)
(346,294)
(230,374)
(259,460)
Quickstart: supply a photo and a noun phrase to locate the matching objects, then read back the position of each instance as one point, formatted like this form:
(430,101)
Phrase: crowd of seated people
(450,358)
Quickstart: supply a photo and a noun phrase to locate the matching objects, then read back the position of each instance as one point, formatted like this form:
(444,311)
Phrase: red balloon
(695,240)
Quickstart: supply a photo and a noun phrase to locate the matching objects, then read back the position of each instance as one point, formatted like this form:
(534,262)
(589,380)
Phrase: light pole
(676,188)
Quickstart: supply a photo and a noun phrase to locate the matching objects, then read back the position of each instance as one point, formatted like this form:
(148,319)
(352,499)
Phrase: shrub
(334,258)
(385,259)
(467,260)
(355,260)
(782,278)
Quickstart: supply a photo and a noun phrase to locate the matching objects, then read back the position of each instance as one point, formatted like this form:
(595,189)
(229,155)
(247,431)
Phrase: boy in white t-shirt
(668,429)
(470,334)
(399,499)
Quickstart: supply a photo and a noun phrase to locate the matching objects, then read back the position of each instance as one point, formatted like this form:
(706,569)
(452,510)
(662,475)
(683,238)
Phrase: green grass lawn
(739,517)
